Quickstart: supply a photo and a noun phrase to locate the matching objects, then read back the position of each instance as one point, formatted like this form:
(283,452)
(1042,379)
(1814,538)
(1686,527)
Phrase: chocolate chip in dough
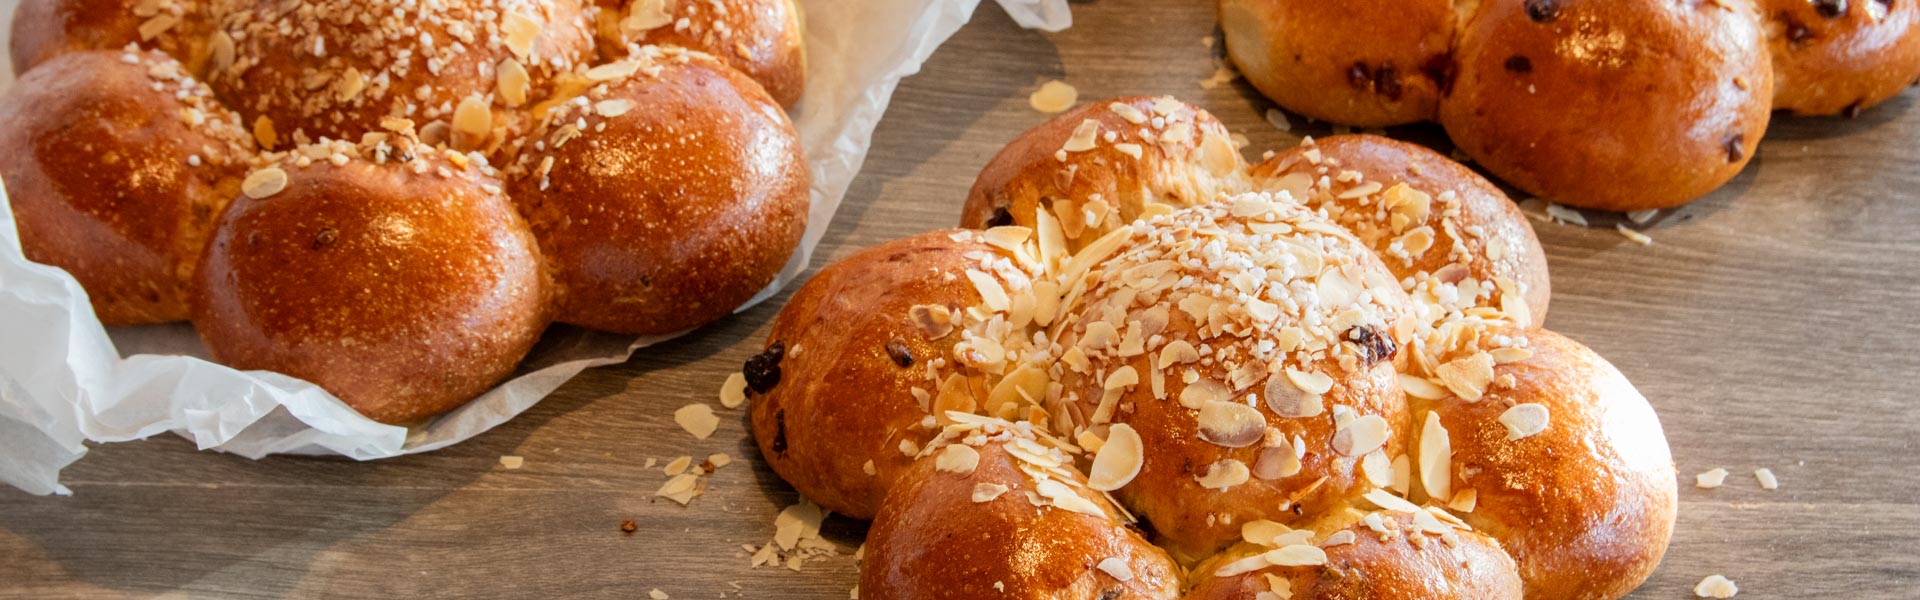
(1832,9)
(1543,11)
(325,238)
(1519,64)
(1001,217)
(1736,144)
(898,351)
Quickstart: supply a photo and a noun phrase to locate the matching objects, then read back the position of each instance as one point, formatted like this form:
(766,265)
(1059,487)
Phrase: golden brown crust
(336,68)
(1396,561)
(1367,63)
(1838,57)
(43,29)
(682,196)
(843,399)
(1163,152)
(1585,506)
(1534,77)
(117,165)
(759,37)
(932,540)
(1494,240)
(403,292)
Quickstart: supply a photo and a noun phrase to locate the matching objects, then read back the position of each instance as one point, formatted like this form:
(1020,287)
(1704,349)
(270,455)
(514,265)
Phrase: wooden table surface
(1774,324)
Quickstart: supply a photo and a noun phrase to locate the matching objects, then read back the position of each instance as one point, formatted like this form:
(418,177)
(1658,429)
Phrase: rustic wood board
(1772,324)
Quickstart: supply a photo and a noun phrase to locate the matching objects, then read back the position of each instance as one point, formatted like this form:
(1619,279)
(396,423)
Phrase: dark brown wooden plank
(1772,324)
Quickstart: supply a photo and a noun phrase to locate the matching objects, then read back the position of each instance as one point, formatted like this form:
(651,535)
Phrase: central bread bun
(993,510)
(1838,57)
(890,321)
(1435,223)
(301,70)
(116,164)
(1367,63)
(398,277)
(1536,76)
(664,197)
(761,38)
(1249,345)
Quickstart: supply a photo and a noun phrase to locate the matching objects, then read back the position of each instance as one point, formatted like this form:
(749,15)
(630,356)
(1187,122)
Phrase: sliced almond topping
(1278,462)
(1083,137)
(613,70)
(1297,555)
(1116,568)
(1402,475)
(472,120)
(1389,502)
(1524,420)
(1065,498)
(1467,377)
(1178,352)
(1339,538)
(1054,96)
(1202,391)
(1231,424)
(1262,532)
(1310,382)
(613,107)
(520,31)
(698,419)
(264,183)
(1361,435)
(1464,500)
(1287,400)
(991,292)
(1503,356)
(957,458)
(986,492)
(263,132)
(934,321)
(733,393)
(220,51)
(1421,388)
(1224,474)
(512,82)
(1122,378)
(1436,458)
(1378,468)
(1117,461)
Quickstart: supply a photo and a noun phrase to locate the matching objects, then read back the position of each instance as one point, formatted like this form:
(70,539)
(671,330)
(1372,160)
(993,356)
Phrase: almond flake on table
(1710,479)
(698,419)
(733,393)
(1768,481)
(1054,96)
(656,594)
(512,462)
(1716,586)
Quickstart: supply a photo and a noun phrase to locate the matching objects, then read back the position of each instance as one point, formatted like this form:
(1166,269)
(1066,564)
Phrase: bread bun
(43,29)
(1560,459)
(116,164)
(1837,57)
(1238,341)
(666,196)
(995,511)
(889,321)
(308,69)
(1368,63)
(759,37)
(1385,553)
(397,277)
(1535,76)
(1435,223)
(1100,166)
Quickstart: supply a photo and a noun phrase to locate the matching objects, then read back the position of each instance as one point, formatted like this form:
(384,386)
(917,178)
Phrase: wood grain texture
(1775,323)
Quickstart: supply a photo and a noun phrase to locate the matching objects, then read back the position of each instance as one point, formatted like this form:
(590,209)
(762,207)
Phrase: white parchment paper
(64,381)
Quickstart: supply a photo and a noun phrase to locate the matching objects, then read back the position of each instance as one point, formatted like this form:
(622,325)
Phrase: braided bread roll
(43,29)
(1289,415)
(761,38)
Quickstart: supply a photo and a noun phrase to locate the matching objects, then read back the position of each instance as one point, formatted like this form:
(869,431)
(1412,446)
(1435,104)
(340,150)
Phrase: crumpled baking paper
(63,380)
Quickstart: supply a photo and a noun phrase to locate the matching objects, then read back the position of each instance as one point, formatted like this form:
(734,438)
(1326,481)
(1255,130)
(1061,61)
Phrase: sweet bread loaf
(375,249)
(1293,400)
(761,38)
(1617,105)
